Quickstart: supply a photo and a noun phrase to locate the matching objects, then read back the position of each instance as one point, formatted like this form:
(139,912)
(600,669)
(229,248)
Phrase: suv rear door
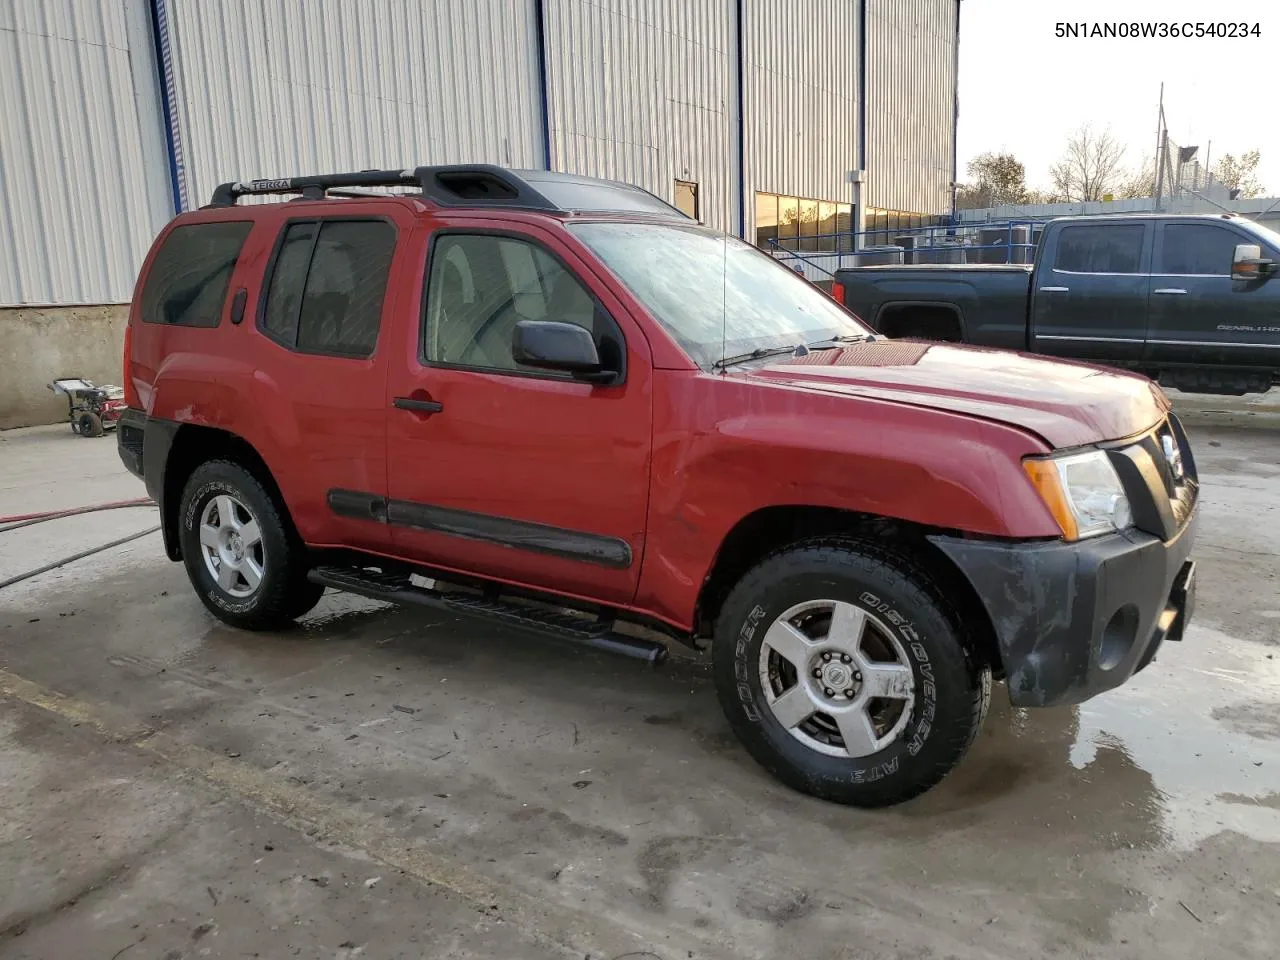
(1090,296)
(1199,315)
(525,475)
(324,318)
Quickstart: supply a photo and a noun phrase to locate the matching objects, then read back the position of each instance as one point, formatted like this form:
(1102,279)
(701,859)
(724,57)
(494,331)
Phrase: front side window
(328,284)
(1100,248)
(481,285)
(719,297)
(1197,248)
(189,276)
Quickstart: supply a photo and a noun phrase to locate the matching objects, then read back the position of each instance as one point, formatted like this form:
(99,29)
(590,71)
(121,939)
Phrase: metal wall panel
(911,82)
(800,63)
(645,91)
(84,185)
(269,88)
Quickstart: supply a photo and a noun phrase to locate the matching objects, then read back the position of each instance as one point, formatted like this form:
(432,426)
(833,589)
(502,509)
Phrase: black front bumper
(1075,619)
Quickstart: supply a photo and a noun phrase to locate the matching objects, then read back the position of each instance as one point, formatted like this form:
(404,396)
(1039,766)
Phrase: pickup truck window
(1197,248)
(1100,248)
(719,297)
(481,285)
(326,286)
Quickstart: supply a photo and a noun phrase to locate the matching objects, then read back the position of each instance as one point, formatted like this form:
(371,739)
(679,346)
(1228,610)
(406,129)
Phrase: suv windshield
(719,297)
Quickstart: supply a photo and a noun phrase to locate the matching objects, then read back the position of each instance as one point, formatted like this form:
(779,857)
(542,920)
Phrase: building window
(687,198)
(801,225)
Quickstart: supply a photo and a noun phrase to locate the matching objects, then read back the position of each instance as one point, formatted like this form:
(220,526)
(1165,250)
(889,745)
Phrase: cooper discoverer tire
(240,556)
(841,669)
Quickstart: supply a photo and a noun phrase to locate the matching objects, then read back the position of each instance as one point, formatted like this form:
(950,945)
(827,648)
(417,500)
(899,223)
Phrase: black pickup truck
(1191,301)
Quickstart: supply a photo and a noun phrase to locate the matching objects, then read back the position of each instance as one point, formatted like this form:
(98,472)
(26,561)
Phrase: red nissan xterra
(558,402)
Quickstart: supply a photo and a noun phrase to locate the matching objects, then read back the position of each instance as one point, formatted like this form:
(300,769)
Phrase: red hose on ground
(73,511)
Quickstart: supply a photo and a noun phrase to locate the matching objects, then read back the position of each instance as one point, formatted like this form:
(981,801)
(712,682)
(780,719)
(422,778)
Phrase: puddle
(1204,722)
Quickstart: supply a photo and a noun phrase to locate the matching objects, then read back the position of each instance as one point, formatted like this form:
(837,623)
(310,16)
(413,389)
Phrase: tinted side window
(1197,248)
(1100,248)
(328,285)
(192,269)
(481,286)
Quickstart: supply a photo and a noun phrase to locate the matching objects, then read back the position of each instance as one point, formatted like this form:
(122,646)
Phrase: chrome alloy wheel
(837,678)
(231,541)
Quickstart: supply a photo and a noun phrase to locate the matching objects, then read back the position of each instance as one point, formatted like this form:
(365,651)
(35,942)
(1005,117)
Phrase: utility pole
(1160,149)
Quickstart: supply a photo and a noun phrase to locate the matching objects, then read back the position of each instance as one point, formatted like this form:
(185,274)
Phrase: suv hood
(1066,404)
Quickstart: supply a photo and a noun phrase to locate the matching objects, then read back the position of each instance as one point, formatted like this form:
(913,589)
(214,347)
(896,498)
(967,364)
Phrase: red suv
(559,402)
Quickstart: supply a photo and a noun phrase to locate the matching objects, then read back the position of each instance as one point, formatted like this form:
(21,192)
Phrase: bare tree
(1090,165)
(1141,182)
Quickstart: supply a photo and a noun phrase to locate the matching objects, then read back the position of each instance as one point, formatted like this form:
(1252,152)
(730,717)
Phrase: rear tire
(841,669)
(244,561)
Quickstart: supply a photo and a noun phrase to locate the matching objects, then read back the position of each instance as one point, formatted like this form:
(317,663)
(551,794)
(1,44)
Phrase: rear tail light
(130,391)
(837,292)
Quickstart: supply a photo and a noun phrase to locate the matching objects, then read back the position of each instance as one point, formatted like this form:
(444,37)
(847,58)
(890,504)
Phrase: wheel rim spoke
(847,625)
(793,707)
(890,681)
(251,572)
(227,512)
(857,731)
(251,534)
(227,576)
(209,535)
(789,642)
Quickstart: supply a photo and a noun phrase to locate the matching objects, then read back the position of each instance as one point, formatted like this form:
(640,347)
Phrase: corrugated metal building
(773,119)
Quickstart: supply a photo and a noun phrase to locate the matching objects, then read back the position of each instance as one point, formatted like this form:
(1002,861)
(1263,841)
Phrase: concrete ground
(392,783)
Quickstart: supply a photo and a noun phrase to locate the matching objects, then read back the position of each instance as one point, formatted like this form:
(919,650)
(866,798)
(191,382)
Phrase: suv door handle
(1172,291)
(1054,290)
(419,406)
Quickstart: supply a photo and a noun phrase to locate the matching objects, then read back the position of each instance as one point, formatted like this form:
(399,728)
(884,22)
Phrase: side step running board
(395,588)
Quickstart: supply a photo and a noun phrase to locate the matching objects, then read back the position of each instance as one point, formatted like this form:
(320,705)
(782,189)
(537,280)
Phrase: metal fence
(987,242)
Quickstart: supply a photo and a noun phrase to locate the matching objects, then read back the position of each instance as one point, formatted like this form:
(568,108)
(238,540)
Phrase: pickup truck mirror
(552,345)
(1248,263)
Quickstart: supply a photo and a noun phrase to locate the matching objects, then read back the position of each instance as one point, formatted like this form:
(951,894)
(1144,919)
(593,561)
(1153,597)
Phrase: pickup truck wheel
(240,557)
(840,668)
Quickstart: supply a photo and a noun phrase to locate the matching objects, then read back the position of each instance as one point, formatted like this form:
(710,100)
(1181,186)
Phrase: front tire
(842,671)
(246,565)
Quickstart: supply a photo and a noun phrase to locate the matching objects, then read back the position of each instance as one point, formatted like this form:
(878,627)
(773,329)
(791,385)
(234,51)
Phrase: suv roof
(468,185)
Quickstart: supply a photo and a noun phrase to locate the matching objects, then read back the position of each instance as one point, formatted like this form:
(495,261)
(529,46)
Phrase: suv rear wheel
(244,564)
(841,669)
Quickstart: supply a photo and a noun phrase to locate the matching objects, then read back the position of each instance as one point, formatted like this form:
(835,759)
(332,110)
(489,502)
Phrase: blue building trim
(955,118)
(540,26)
(169,105)
(742,127)
(862,91)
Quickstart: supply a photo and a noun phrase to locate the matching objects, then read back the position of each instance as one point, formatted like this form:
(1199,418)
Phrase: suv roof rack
(468,185)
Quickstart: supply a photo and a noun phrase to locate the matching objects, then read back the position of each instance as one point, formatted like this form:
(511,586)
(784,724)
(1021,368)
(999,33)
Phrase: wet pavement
(176,788)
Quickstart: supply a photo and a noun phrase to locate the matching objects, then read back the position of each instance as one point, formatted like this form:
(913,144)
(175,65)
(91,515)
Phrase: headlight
(1082,491)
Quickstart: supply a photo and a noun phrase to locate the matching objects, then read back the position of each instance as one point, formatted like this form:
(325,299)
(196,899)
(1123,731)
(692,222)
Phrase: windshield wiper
(755,354)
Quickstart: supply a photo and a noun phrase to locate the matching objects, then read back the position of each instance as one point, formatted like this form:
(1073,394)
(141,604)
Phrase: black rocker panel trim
(520,534)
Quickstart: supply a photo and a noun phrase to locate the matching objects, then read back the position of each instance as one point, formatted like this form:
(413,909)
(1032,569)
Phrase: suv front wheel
(842,671)
(244,564)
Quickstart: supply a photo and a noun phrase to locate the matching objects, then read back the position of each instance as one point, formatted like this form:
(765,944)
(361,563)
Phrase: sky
(1023,90)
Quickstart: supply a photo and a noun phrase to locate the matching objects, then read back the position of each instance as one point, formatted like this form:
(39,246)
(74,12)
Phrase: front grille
(1159,477)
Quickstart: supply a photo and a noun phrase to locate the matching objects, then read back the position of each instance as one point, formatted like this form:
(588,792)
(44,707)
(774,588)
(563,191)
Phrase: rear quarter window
(189,276)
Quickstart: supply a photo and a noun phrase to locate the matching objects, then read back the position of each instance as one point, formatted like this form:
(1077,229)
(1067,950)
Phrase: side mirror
(552,345)
(1247,263)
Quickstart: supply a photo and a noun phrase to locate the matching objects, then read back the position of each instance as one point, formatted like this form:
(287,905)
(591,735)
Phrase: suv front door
(1199,314)
(527,475)
(1090,298)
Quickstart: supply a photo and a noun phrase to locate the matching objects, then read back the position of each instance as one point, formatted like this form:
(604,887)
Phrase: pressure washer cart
(91,409)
